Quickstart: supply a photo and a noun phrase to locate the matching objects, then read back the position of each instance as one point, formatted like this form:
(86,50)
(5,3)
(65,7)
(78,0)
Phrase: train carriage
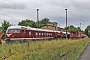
(25,33)
(22,33)
(76,34)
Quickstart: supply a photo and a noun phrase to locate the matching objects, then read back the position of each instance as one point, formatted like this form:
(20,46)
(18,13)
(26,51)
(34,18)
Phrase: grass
(44,50)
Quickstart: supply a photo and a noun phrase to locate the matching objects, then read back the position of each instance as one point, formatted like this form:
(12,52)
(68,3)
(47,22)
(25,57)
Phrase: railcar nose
(8,34)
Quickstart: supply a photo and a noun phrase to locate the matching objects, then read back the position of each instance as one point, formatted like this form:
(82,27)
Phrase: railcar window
(42,33)
(30,33)
(18,30)
(13,30)
(9,30)
(39,33)
(36,33)
(79,34)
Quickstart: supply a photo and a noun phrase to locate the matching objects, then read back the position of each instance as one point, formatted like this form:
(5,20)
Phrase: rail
(61,56)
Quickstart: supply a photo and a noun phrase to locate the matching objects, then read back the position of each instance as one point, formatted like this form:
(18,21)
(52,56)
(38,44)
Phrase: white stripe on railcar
(30,38)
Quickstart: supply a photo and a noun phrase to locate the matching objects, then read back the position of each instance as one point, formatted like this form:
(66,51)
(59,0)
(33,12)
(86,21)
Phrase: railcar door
(22,33)
(33,34)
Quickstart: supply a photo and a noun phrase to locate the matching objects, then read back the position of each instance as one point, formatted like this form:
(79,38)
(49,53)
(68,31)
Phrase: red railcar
(76,34)
(22,33)
(25,33)
(1,35)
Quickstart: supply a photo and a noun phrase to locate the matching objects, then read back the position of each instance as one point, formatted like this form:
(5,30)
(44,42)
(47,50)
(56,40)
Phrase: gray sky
(16,10)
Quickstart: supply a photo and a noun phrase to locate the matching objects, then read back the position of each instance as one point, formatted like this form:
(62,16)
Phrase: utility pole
(80,25)
(59,25)
(66,23)
(37,18)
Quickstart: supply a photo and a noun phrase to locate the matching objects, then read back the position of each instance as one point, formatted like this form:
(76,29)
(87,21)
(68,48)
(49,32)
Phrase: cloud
(11,5)
(17,10)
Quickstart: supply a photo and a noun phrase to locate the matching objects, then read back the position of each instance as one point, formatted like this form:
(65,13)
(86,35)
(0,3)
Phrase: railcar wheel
(24,40)
(8,41)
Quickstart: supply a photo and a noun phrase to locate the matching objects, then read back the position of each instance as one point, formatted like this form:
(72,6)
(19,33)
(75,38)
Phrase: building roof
(49,25)
(53,22)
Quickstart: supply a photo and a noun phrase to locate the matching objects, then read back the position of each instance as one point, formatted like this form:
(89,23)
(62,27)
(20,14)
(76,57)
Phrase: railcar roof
(65,32)
(57,31)
(30,28)
(38,29)
(17,27)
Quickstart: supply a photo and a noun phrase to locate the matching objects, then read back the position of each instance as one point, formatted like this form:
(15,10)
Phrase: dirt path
(86,54)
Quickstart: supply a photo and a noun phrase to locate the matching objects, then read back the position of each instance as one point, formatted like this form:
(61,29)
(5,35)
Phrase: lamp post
(37,17)
(66,23)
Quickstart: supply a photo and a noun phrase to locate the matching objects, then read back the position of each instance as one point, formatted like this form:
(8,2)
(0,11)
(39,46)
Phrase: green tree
(87,30)
(43,22)
(27,22)
(78,29)
(0,29)
(72,28)
(4,26)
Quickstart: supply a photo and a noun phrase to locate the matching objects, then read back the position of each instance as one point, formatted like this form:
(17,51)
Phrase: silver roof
(30,28)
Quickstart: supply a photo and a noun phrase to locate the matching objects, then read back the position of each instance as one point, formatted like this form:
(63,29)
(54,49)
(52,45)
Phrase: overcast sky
(15,11)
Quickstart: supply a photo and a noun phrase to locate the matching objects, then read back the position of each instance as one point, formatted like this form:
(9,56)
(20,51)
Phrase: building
(61,29)
(52,26)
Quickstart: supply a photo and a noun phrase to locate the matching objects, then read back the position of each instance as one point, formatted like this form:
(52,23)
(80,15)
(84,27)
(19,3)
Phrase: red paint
(1,35)
(75,34)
